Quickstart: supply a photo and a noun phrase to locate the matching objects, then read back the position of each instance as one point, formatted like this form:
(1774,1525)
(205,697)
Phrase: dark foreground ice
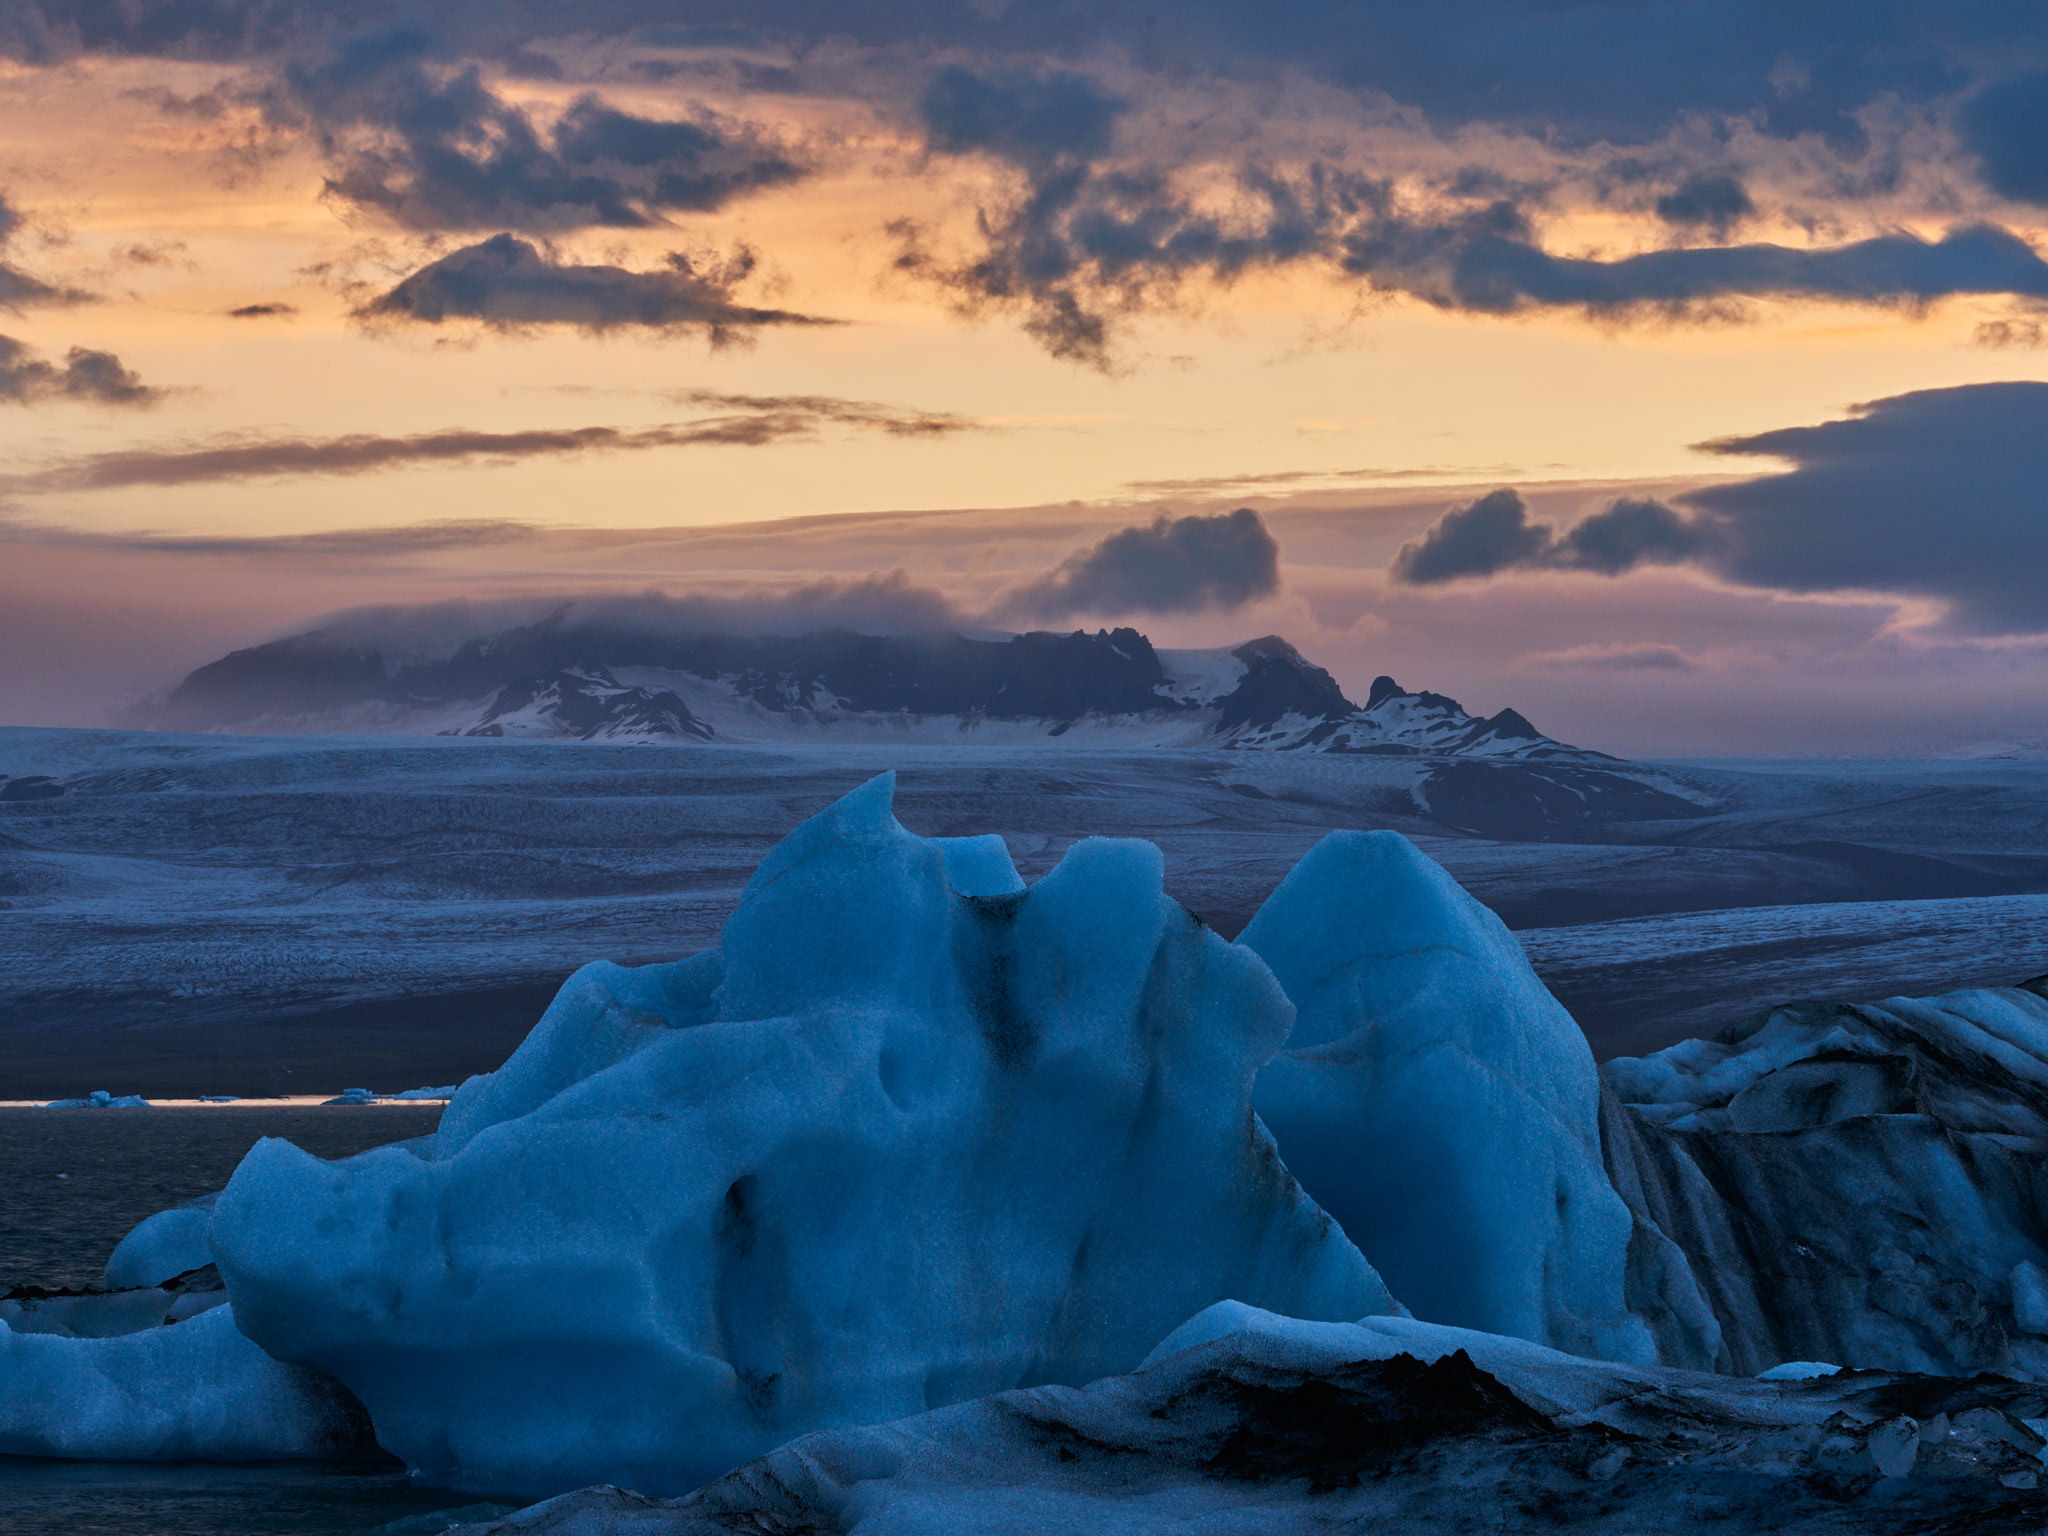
(1392,1428)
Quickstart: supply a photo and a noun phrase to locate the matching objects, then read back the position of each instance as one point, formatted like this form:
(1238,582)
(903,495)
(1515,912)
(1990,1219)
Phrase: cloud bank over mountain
(1934,495)
(1172,565)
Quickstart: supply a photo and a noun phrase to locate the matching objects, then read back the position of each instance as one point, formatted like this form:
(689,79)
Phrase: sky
(1675,373)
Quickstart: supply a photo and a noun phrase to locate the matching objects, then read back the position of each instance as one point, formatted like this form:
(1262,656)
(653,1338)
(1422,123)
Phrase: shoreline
(292,1101)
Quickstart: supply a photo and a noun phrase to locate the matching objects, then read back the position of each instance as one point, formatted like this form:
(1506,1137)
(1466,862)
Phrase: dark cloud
(749,422)
(1083,244)
(1019,116)
(18,290)
(1713,203)
(508,284)
(263,311)
(1631,532)
(1491,263)
(2006,128)
(431,146)
(1480,538)
(1940,494)
(95,377)
(1494,534)
(1171,565)
(1584,71)
(1102,224)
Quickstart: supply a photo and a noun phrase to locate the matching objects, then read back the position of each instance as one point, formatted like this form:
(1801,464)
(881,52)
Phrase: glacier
(919,1143)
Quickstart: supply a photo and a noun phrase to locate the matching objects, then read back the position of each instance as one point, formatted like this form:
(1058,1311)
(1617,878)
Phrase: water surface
(72,1183)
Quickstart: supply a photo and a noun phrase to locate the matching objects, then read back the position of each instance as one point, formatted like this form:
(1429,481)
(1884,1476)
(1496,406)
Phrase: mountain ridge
(563,680)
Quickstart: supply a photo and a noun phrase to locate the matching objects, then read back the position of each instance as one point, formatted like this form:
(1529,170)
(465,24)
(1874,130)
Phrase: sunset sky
(1671,372)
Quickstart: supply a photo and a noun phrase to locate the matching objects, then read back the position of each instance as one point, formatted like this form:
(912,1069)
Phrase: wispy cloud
(1608,658)
(18,289)
(1300,479)
(753,422)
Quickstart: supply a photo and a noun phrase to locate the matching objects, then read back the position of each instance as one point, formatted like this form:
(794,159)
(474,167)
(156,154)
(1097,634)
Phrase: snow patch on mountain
(555,681)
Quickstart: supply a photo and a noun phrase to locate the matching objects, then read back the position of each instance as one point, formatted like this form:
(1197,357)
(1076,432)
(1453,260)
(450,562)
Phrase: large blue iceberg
(917,1135)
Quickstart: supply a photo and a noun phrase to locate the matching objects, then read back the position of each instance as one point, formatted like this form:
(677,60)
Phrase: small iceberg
(101,1099)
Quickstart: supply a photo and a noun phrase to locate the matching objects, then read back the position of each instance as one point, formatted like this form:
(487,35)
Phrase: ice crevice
(917,1133)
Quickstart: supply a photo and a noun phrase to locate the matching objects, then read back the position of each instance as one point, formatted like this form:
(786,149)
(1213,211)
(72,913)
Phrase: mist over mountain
(567,677)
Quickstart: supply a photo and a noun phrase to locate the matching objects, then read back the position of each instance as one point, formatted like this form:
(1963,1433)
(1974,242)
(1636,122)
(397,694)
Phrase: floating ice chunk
(429,1093)
(1438,1102)
(163,1246)
(355,1096)
(100,1098)
(1799,1370)
(898,1146)
(219,1098)
(196,1391)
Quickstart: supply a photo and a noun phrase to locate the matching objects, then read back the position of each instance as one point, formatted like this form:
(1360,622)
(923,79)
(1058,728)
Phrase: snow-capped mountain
(562,680)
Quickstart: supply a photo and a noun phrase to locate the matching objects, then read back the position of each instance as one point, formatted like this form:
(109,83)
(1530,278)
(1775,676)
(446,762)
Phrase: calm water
(118,1166)
(73,1181)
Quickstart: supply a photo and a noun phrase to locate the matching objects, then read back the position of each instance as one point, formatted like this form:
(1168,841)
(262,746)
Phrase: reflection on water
(71,1498)
(118,1166)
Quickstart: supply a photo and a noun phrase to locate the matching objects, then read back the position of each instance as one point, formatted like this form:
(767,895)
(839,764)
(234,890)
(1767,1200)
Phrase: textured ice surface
(914,1136)
(1854,1182)
(164,1246)
(1438,1102)
(1245,1424)
(100,1098)
(194,1391)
